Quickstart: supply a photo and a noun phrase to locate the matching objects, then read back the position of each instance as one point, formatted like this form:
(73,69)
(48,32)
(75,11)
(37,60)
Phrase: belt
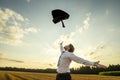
(64,73)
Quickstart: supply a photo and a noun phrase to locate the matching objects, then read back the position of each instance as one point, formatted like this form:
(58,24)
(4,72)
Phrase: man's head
(69,48)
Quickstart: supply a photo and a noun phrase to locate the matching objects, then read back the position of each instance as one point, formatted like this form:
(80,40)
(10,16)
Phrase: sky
(29,38)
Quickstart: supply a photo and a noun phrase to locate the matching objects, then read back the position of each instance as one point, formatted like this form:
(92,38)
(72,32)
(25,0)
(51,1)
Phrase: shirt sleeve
(80,60)
(61,48)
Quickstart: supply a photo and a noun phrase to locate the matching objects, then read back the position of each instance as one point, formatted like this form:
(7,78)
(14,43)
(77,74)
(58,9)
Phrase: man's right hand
(61,43)
(99,65)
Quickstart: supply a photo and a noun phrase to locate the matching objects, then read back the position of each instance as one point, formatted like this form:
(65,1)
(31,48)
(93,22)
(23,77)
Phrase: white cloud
(65,38)
(85,23)
(11,30)
(97,48)
(92,52)
(31,29)
(6,14)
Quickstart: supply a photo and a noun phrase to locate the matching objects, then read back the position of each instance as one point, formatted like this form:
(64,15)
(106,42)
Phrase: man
(63,71)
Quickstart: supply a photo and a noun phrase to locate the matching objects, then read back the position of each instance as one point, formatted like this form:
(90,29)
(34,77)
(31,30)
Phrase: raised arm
(61,47)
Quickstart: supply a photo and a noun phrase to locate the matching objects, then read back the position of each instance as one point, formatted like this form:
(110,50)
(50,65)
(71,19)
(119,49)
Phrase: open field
(11,75)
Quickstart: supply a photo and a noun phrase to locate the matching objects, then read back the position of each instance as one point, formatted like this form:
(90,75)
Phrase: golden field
(13,75)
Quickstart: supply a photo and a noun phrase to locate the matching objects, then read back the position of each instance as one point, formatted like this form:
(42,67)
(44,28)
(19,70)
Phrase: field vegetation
(110,73)
(14,75)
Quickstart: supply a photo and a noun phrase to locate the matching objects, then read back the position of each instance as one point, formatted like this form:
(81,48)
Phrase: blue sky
(29,38)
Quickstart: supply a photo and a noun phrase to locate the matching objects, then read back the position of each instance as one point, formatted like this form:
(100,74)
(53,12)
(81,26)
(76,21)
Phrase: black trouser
(63,76)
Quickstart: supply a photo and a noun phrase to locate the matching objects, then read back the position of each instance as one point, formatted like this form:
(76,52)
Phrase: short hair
(71,48)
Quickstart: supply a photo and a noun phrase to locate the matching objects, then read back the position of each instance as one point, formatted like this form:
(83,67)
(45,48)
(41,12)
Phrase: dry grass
(11,75)
(93,77)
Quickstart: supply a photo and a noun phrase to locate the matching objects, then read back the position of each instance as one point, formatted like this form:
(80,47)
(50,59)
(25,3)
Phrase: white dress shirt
(66,58)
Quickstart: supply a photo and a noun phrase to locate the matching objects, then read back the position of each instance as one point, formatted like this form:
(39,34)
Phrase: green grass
(13,75)
(110,73)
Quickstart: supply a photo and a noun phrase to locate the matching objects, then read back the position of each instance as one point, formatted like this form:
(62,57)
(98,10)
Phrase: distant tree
(80,70)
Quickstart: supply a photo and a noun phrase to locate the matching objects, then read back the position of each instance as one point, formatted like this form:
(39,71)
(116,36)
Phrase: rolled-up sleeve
(80,60)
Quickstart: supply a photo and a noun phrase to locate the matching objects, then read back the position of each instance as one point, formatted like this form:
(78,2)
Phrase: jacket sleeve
(80,60)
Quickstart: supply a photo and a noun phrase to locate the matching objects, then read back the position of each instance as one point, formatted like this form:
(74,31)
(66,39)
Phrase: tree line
(80,70)
(94,70)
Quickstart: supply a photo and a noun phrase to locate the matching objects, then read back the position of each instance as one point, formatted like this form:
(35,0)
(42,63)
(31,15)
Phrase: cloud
(52,64)
(7,59)
(94,52)
(99,47)
(7,14)
(85,23)
(68,38)
(31,30)
(11,27)
(13,60)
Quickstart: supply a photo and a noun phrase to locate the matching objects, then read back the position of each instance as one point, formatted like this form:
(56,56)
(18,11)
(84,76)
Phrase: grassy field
(11,75)
(110,73)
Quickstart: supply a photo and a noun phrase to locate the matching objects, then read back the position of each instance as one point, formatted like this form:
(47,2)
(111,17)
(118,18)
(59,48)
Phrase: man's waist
(64,73)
